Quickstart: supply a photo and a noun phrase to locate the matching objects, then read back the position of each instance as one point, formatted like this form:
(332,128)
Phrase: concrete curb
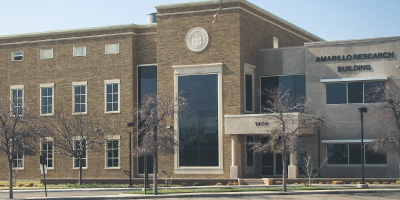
(223,194)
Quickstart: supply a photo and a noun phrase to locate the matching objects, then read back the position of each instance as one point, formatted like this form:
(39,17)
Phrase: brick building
(220,65)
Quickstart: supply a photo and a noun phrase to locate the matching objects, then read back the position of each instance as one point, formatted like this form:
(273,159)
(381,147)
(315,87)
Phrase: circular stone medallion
(197,39)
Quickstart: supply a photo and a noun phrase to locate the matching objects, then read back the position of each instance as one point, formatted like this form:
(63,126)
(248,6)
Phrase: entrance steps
(254,181)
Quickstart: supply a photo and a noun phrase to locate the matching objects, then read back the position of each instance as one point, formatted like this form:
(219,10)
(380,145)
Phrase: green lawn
(170,191)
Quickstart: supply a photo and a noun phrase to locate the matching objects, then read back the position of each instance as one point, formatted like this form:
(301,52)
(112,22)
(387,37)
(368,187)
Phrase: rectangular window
(295,84)
(18,161)
(80,147)
(112,96)
(46,98)
(79,51)
(79,97)
(249,92)
(249,152)
(112,48)
(46,53)
(198,129)
(112,153)
(17,99)
(17,56)
(275,40)
(345,154)
(353,92)
(147,85)
(47,150)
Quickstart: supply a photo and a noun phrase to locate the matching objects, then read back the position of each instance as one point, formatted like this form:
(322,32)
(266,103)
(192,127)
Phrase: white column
(234,169)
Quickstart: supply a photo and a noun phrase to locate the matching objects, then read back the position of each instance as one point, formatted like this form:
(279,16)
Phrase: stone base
(293,171)
(362,185)
(234,172)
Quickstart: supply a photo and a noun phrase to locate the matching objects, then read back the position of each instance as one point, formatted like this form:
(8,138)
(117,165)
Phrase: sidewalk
(80,193)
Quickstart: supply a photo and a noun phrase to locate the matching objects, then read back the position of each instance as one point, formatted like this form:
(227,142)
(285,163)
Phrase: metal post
(146,175)
(319,153)
(361,111)
(130,159)
(362,150)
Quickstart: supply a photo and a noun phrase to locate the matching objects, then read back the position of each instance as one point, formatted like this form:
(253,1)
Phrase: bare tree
(309,171)
(388,113)
(287,122)
(153,113)
(75,135)
(19,133)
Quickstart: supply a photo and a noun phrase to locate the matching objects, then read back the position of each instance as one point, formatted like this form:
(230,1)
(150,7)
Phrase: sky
(329,19)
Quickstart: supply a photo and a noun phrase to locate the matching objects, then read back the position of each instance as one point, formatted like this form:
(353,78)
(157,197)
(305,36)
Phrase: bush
(196,184)
(31,184)
(385,182)
(219,183)
(232,183)
(184,184)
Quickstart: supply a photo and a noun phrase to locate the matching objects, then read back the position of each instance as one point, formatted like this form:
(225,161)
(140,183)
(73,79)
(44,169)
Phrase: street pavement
(106,193)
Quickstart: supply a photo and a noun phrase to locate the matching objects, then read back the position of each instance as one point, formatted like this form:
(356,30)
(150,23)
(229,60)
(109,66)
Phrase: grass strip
(171,191)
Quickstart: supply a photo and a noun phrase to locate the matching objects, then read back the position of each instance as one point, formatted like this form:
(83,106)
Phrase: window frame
(47,140)
(74,51)
(108,45)
(22,161)
(351,80)
(43,50)
(348,155)
(112,82)
(74,158)
(112,138)
(79,84)
(13,55)
(42,86)
(203,69)
(12,88)
(249,70)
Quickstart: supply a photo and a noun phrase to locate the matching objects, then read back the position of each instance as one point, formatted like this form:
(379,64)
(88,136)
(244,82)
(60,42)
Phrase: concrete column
(293,170)
(234,169)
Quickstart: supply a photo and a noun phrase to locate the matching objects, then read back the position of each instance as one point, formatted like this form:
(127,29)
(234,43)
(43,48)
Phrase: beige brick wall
(62,70)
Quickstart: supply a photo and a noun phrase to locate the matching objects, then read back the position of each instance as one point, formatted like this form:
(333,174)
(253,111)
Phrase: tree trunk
(284,171)
(80,171)
(10,187)
(155,172)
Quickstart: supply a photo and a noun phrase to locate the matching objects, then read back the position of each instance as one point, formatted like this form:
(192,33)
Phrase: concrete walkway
(116,193)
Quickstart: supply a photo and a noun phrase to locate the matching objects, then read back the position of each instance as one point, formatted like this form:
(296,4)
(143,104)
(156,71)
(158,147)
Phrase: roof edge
(210,2)
(78,30)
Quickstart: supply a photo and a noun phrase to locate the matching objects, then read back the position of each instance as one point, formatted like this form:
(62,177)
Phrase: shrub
(321,182)
(328,183)
(376,182)
(196,184)
(31,184)
(184,184)
(219,183)
(385,182)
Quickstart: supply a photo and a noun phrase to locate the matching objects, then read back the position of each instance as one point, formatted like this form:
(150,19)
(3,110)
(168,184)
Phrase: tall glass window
(198,129)
(112,97)
(112,153)
(47,101)
(249,92)
(80,99)
(295,84)
(79,145)
(17,101)
(147,85)
(249,152)
(48,151)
